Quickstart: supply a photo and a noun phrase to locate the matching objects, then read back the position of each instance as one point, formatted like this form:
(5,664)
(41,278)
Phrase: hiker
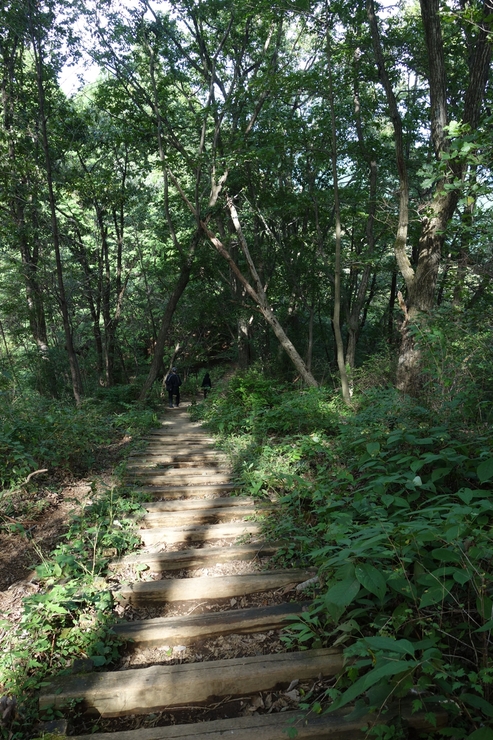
(206,384)
(173,382)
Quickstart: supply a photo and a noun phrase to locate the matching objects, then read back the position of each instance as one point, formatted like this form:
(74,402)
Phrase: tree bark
(338,240)
(421,289)
(354,314)
(421,284)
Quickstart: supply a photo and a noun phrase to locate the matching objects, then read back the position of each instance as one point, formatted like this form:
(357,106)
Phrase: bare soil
(30,530)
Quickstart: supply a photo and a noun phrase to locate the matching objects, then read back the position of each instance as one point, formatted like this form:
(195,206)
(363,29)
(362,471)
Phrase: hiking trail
(202,606)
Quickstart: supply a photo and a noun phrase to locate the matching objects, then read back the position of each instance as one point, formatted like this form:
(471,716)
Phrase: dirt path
(201,608)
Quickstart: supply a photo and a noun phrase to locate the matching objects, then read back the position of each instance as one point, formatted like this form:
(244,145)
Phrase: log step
(198,557)
(187,504)
(186,452)
(153,689)
(180,449)
(180,472)
(198,532)
(197,516)
(177,492)
(174,479)
(211,587)
(161,457)
(184,630)
(159,463)
(178,440)
(276,726)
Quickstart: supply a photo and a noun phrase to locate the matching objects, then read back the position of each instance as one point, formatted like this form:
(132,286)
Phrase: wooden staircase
(197,521)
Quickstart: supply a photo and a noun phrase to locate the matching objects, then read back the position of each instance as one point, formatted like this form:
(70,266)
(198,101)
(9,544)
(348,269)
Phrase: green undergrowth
(38,433)
(67,623)
(391,501)
(69,620)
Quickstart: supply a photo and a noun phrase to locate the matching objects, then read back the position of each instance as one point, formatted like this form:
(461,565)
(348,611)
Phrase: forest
(296,196)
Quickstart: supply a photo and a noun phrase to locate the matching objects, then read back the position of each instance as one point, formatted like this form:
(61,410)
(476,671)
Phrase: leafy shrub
(457,357)
(391,501)
(71,617)
(402,538)
(253,403)
(39,433)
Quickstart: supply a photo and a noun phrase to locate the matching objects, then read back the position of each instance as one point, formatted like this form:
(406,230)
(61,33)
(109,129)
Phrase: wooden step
(188,492)
(276,726)
(186,504)
(179,450)
(160,463)
(178,440)
(172,479)
(198,557)
(210,587)
(197,516)
(159,450)
(181,474)
(153,689)
(198,533)
(184,630)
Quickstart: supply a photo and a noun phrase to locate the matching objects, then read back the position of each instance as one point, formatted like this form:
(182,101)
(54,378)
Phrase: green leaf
(404,647)
(438,473)
(291,732)
(98,660)
(446,556)
(373,448)
(484,605)
(403,586)
(478,703)
(484,733)
(486,627)
(392,668)
(434,595)
(461,576)
(371,579)
(340,596)
(485,470)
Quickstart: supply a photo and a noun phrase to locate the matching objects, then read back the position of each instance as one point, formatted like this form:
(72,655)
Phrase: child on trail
(173,382)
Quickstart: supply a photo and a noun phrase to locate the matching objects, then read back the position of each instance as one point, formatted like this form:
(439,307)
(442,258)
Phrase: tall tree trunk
(258,296)
(39,66)
(309,349)
(11,54)
(392,297)
(338,238)
(421,289)
(354,315)
(243,343)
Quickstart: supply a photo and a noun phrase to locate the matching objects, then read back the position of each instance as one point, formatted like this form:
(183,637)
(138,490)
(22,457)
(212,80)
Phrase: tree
(421,281)
(35,30)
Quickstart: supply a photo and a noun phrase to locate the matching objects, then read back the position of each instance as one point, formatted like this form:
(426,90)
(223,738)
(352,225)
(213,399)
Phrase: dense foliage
(391,501)
(69,617)
(186,206)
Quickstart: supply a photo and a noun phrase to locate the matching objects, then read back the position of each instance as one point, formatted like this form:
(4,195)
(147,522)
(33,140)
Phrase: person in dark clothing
(173,382)
(206,384)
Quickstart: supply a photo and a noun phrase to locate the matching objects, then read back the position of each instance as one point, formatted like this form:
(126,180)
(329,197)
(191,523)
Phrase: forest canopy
(303,184)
